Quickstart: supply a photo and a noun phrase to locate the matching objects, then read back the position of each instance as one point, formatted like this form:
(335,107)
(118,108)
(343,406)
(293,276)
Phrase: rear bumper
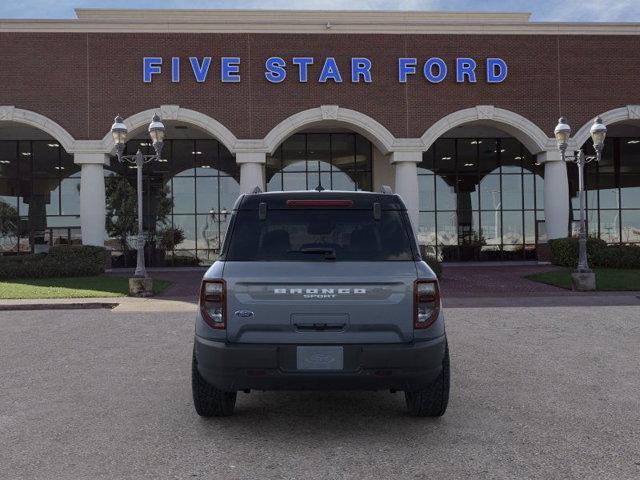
(273,367)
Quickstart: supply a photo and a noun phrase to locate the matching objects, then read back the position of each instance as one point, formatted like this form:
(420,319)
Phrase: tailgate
(319,302)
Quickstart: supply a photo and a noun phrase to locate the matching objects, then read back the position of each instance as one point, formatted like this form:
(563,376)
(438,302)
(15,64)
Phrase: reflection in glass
(427,228)
(200,181)
(447,228)
(183,193)
(512,191)
(512,233)
(630,196)
(491,212)
(427,192)
(39,190)
(445,194)
(613,190)
(344,161)
(630,226)
(610,225)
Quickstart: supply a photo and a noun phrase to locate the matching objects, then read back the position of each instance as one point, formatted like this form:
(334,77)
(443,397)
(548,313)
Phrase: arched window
(334,161)
(480,199)
(612,188)
(39,193)
(188,197)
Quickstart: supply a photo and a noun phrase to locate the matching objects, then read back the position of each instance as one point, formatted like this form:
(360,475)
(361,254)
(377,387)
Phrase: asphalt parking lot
(546,392)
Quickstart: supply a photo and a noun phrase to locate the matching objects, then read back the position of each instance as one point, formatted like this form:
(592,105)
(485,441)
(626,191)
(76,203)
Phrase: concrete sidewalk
(118,304)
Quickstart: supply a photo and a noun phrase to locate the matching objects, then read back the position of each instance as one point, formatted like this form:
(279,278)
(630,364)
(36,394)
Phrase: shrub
(182,261)
(169,238)
(564,252)
(61,261)
(619,256)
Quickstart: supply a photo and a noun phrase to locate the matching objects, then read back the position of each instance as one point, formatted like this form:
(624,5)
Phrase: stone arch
(382,138)
(528,133)
(617,115)
(10,113)
(177,113)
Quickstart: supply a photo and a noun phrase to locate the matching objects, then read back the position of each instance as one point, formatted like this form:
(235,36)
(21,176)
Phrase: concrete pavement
(541,392)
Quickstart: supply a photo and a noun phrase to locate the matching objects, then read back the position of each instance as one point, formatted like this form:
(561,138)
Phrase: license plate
(319,358)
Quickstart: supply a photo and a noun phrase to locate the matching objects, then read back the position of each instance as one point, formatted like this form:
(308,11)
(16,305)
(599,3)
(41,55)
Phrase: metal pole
(140,267)
(583,265)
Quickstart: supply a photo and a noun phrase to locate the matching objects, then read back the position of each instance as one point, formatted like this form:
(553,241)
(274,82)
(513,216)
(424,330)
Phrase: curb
(57,306)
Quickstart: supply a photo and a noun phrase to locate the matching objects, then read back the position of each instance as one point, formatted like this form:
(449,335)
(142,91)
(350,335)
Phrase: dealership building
(454,111)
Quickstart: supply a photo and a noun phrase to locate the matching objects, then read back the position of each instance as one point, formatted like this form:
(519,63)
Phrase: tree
(9,223)
(122,209)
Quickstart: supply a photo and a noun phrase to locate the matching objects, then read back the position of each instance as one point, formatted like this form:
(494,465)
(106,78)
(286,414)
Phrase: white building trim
(617,115)
(382,138)
(177,113)
(312,21)
(529,134)
(9,113)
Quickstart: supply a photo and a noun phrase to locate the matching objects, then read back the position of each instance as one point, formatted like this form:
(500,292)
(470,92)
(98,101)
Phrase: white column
(251,170)
(556,194)
(92,197)
(406,183)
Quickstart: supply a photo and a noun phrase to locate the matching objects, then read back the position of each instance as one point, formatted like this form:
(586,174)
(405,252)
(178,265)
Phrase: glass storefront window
(192,189)
(335,161)
(612,191)
(39,195)
(479,199)
(630,223)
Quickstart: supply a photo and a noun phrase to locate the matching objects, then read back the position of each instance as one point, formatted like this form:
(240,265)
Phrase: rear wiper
(329,253)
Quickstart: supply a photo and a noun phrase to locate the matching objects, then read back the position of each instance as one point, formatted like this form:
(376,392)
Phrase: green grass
(73,287)
(607,279)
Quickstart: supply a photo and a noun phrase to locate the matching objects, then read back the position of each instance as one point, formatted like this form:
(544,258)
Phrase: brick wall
(81,80)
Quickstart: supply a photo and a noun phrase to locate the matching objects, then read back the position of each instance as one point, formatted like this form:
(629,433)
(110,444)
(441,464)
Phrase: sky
(542,10)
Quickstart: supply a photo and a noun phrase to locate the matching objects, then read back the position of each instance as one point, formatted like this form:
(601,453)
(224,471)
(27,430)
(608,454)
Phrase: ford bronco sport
(320,290)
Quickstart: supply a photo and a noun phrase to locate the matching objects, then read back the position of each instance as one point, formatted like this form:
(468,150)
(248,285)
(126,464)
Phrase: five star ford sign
(361,69)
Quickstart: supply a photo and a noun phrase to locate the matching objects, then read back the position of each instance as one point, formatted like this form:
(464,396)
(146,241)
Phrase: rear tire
(433,400)
(207,399)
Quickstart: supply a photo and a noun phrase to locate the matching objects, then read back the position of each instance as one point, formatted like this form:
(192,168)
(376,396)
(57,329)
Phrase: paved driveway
(537,393)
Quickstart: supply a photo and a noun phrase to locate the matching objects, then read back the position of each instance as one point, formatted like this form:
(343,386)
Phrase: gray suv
(316,291)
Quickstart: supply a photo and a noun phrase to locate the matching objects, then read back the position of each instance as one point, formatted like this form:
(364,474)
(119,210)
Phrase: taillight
(426,304)
(213,296)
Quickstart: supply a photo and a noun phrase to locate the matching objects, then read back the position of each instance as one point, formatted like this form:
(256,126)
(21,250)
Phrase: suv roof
(361,200)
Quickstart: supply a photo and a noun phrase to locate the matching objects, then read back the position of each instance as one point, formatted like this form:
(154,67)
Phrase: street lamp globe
(562,133)
(119,132)
(156,132)
(598,133)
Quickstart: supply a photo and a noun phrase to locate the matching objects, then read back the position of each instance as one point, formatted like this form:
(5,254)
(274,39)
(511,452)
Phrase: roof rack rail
(386,189)
(256,189)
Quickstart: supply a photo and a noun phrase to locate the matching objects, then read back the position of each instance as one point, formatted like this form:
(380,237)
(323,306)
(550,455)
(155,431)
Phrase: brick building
(455,111)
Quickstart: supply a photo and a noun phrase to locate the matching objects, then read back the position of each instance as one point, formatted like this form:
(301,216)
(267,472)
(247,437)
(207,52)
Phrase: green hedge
(61,261)
(619,256)
(564,252)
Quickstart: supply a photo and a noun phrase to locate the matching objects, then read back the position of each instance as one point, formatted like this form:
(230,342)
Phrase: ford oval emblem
(244,314)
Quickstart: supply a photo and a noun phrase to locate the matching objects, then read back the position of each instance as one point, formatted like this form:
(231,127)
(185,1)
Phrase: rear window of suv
(304,235)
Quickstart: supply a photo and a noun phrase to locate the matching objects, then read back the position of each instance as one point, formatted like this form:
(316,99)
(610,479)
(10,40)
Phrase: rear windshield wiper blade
(329,253)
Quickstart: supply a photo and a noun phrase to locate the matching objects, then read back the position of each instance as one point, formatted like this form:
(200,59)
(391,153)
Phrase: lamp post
(583,278)
(156,132)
